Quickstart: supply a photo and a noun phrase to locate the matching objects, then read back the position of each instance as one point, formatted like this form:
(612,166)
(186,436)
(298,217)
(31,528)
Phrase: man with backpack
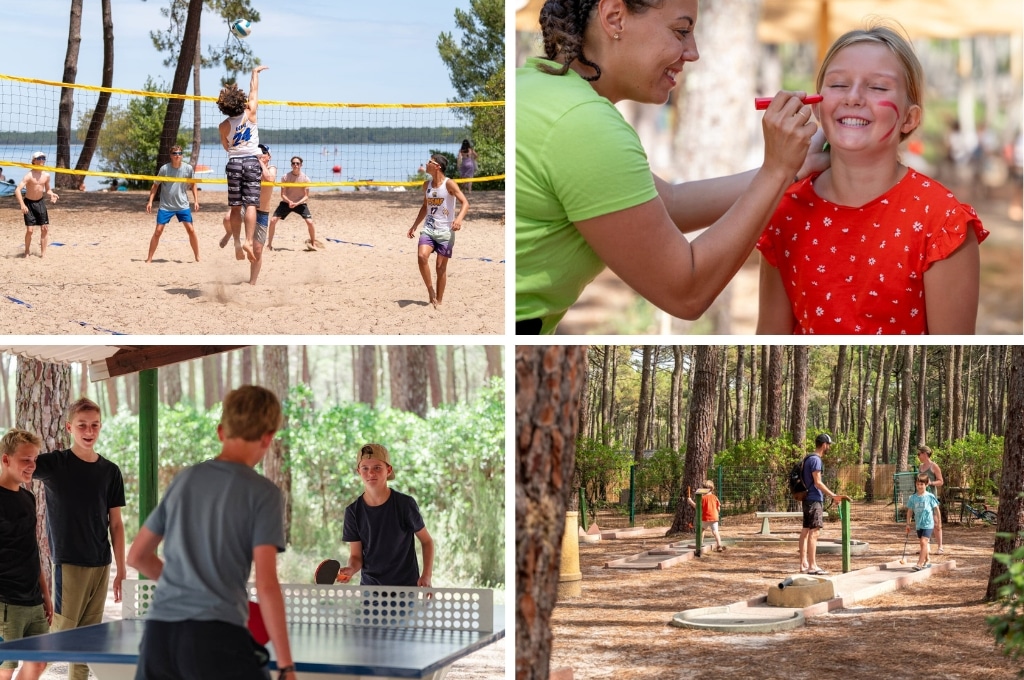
(812,505)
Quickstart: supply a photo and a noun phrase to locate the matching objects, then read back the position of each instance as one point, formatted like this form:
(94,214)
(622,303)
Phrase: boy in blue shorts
(24,597)
(438,235)
(920,507)
(379,528)
(174,201)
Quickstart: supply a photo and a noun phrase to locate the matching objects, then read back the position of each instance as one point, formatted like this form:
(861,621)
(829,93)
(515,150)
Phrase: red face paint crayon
(761,103)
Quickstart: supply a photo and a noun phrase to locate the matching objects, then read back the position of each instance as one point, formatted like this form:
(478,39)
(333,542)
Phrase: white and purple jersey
(440,212)
(243,137)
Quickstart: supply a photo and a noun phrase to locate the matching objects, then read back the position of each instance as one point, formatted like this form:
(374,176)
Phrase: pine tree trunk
(549,382)
(1011,488)
(66,107)
(699,430)
(276,467)
(43,394)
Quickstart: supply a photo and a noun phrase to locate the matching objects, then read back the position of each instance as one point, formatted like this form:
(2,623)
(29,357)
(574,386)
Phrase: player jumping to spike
(438,235)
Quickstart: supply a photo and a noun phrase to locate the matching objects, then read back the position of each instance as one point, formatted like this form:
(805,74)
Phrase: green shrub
(1008,625)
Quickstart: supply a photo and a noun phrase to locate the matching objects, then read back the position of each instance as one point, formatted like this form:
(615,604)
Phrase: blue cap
(265,149)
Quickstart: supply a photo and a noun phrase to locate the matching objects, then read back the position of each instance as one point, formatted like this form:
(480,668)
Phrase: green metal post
(148,399)
(698,522)
(583,509)
(632,495)
(721,493)
(844,515)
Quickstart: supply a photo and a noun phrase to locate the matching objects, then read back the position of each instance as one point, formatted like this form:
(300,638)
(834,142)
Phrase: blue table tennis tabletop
(329,650)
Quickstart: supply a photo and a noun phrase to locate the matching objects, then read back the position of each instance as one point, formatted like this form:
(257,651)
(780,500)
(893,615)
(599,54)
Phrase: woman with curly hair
(240,137)
(585,194)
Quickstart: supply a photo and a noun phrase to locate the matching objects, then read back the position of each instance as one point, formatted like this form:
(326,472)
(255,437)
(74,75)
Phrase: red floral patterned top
(861,270)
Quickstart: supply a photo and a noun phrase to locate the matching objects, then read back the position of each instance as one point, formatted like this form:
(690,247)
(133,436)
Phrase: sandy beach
(94,279)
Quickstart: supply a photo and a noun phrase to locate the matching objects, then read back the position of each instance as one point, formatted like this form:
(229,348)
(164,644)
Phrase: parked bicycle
(970,513)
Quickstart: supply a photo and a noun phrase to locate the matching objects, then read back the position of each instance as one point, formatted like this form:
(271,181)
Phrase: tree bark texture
(275,464)
(1011,488)
(66,107)
(549,382)
(699,430)
(43,395)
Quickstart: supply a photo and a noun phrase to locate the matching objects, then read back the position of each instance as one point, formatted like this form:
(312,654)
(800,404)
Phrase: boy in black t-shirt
(379,528)
(84,497)
(24,597)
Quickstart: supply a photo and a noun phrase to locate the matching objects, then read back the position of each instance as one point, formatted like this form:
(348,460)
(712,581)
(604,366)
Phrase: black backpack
(796,480)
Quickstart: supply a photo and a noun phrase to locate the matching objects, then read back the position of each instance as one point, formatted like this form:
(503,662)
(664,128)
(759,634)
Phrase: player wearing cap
(812,505)
(379,528)
(36,184)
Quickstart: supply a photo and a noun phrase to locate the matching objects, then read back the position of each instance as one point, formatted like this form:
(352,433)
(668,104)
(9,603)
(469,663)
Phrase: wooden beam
(135,359)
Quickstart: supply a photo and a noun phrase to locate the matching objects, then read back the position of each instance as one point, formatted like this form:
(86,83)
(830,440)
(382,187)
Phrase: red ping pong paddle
(256,626)
(327,573)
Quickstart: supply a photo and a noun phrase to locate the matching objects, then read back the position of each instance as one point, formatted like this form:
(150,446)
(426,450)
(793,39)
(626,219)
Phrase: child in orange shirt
(709,509)
(870,246)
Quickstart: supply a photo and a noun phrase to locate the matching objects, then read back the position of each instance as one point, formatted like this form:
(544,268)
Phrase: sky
(329,51)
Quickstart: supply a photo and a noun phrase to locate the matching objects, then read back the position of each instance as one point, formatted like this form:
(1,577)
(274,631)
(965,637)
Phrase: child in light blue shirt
(919,509)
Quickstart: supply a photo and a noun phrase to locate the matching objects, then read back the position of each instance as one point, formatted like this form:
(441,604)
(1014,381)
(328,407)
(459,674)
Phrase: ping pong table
(338,632)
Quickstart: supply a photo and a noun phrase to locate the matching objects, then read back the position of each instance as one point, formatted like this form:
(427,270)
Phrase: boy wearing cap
(379,528)
(174,201)
(36,184)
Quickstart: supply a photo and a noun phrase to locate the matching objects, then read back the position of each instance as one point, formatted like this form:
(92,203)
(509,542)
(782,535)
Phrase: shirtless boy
(33,206)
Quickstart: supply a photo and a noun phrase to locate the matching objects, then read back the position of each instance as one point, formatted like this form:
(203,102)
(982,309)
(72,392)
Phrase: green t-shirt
(576,158)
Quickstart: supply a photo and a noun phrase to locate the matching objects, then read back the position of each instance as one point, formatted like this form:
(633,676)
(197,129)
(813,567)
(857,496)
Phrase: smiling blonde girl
(870,246)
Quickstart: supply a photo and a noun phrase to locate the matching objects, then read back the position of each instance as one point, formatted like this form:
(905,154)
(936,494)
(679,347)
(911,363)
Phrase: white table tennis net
(461,609)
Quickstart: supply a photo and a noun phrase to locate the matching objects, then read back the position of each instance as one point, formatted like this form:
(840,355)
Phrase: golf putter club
(903,560)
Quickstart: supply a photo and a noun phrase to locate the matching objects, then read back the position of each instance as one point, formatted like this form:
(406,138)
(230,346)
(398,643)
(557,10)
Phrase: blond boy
(24,596)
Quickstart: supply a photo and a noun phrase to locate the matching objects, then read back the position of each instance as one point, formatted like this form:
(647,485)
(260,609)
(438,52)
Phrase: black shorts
(198,650)
(283,209)
(36,215)
(814,517)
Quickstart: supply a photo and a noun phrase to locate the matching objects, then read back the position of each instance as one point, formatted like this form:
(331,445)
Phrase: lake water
(378,162)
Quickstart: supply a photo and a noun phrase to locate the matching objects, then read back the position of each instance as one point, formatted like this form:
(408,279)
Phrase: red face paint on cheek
(886,102)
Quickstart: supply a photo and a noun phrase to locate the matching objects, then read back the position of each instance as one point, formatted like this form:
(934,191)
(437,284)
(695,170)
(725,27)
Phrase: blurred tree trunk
(172,380)
(699,430)
(906,387)
(798,412)
(66,107)
(449,373)
(674,398)
(306,380)
(276,465)
(922,397)
(210,393)
(113,402)
(741,416)
(643,403)
(366,374)
(773,410)
(434,373)
(880,408)
(6,417)
(752,394)
(407,367)
(948,412)
(834,401)
(493,361)
(721,133)
(1011,488)
(862,402)
(246,369)
(549,382)
(43,394)
(957,420)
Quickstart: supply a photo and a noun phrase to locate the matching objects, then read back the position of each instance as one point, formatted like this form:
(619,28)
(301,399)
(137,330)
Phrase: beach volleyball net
(375,146)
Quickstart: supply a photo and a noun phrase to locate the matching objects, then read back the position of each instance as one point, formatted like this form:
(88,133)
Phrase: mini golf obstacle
(805,596)
(671,554)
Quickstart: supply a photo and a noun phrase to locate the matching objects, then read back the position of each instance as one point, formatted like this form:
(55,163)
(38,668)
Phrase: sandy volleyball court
(94,278)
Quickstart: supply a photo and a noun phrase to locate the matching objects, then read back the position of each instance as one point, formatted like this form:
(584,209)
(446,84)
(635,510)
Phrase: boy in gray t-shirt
(217,518)
(174,201)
